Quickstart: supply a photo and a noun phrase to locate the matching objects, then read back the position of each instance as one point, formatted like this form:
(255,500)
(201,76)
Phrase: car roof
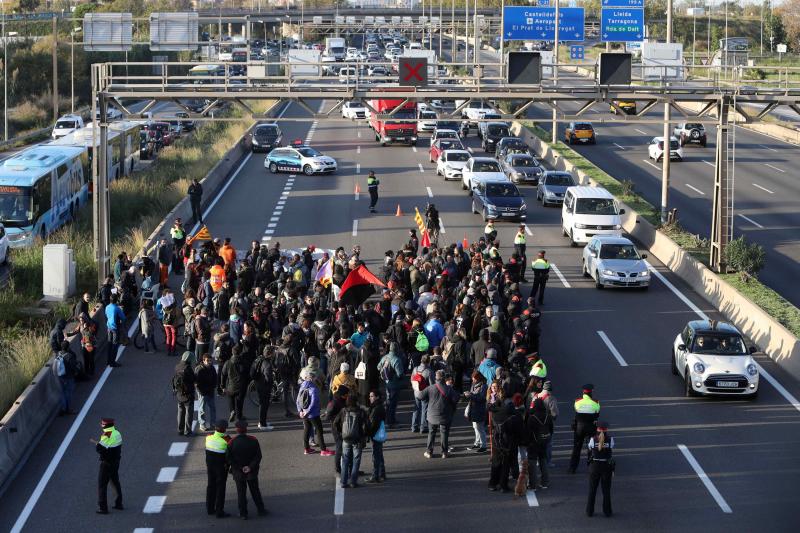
(441,130)
(456,152)
(484,159)
(708,326)
(585,191)
(612,239)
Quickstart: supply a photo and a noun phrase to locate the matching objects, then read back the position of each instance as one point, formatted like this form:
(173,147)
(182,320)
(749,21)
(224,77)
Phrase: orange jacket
(228,254)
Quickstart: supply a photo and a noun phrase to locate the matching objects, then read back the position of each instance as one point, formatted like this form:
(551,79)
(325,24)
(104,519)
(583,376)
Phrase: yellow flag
(420,222)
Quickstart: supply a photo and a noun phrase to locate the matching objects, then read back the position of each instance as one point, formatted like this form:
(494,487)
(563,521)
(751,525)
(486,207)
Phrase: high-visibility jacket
(372,183)
(587,405)
(111,438)
(519,238)
(587,411)
(217,277)
(540,264)
(177,233)
(539,369)
(488,229)
(217,442)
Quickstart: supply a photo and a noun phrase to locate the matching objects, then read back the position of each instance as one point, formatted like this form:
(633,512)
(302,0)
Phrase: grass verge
(770,301)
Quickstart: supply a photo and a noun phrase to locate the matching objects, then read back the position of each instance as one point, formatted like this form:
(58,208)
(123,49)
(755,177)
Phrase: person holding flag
(325,273)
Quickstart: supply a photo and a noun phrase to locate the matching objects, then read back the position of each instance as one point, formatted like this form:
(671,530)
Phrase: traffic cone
(358,189)
(465,242)
(399,212)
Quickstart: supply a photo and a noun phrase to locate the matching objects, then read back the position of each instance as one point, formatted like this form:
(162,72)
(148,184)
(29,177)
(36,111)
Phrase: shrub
(746,258)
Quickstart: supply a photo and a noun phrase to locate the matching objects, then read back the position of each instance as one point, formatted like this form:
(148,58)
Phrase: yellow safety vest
(488,229)
(519,238)
(539,369)
(216,443)
(177,233)
(540,264)
(110,438)
(587,405)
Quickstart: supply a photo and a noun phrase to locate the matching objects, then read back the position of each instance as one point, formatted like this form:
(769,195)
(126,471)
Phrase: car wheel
(474,211)
(273,167)
(658,159)
(572,242)
(672,364)
(485,216)
(307,170)
(563,231)
(597,283)
(463,185)
(585,272)
(688,391)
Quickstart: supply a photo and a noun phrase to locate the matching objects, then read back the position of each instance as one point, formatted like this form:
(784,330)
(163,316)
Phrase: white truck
(305,62)
(335,47)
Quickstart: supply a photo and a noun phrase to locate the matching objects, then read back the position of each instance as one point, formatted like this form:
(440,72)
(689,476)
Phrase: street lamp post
(555,69)
(665,158)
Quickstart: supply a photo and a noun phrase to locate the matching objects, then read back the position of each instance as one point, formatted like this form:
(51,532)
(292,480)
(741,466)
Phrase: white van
(347,75)
(589,211)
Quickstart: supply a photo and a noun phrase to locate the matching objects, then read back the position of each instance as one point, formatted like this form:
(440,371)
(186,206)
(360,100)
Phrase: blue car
(499,200)
(299,159)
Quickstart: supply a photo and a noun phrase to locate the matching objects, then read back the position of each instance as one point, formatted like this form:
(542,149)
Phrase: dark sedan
(265,137)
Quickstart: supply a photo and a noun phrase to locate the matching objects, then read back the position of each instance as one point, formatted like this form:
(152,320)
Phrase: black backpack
(351,426)
(505,440)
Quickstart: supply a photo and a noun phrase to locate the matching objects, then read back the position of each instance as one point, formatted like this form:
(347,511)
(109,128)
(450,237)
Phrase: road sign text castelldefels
(538,24)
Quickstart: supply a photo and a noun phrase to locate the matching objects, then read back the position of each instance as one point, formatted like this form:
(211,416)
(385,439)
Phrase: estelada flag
(418,219)
(202,235)
(358,286)
(426,240)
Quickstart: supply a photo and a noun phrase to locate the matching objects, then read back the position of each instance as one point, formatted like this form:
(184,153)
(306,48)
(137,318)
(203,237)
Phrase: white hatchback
(655,150)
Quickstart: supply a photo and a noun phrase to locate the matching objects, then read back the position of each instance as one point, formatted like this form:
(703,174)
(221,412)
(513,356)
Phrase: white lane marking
(154,504)
(768,147)
(414,148)
(612,348)
(709,163)
(773,167)
(177,449)
(278,210)
(794,402)
(560,275)
(594,111)
(274,219)
(420,167)
(355,227)
(528,231)
(430,192)
(194,426)
(441,225)
(676,292)
(357,195)
(753,222)
(651,164)
(271,225)
(695,189)
(143,530)
(292,176)
(338,498)
(281,202)
(618,146)
(167,474)
(532,500)
(358,149)
(756,185)
(358,168)
(469,149)
(359,134)
(269,232)
(284,195)
(640,131)
(265,238)
(704,478)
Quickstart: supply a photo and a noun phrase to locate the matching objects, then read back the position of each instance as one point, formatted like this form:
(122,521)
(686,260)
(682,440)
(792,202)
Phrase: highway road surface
(682,463)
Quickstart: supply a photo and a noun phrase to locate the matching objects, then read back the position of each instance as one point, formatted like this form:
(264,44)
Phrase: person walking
(308,407)
(115,322)
(202,332)
(263,374)
(421,378)
(147,318)
(541,273)
(506,429)
(65,367)
(390,368)
(109,450)
(587,410)
(178,236)
(519,248)
(164,254)
(551,404)
(207,383)
(169,310)
(233,381)
(475,412)
(195,193)
(244,458)
(377,431)
(183,385)
(601,468)
(337,402)
(372,187)
(539,432)
(442,400)
(217,469)
(351,422)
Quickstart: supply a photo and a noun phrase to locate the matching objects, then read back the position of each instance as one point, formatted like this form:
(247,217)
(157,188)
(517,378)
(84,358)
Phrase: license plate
(509,214)
(727,383)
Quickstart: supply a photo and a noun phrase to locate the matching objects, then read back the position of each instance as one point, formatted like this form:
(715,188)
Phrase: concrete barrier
(770,336)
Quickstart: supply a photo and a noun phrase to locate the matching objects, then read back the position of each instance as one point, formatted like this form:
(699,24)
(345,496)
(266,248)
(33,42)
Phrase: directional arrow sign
(538,23)
(623,3)
(621,25)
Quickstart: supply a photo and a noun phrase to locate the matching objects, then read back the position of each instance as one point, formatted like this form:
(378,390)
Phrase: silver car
(615,262)
(522,168)
(552,187)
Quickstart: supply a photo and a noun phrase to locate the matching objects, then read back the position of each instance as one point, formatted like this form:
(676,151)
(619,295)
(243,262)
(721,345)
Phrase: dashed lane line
(414,148)
(757,186)
(705,479)
(143,530)
(528,231)
(651,164)
(750,220)
(709,163)
(531,497)
(355,227)
(358,149)
(358,168)
(167,474)
(430,192)
(695,189)
(177,449)
(560,275)
(640,132)
(612,348)
(768,147)
(154,504)
(421,169)
(619,146)
(338,498)
(773,167)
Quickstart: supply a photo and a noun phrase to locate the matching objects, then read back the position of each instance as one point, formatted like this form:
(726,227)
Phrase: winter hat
(344,368)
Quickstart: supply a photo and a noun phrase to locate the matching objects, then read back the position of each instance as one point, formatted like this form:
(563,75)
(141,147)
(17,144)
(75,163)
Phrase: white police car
(299,158)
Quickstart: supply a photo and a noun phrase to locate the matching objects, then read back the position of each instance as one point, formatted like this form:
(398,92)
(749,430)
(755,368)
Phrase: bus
(82,138)
(207,73)
(129,143)
(41,189)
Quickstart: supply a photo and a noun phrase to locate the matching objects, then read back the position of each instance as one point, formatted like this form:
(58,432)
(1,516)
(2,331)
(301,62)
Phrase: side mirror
(644,256)
(682,347)
(753,349)
(621,211)
(593,253)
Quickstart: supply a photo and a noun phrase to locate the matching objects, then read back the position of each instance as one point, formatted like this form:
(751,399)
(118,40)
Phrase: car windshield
(428,114)
(559,180)
(583,126)
(407,114)
(501,189)
(717,343)
(65,124)
(595,206)
(516,144)
(458,156)
(446,144)
(267,130)
(16,206)
(673,145)
(443,125)
(308,152)
(485,166)
(618,251)
(497,131)
(523,162)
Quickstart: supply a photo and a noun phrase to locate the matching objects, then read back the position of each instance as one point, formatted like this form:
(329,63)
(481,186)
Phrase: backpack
(60,366)
(422,343)
(387,372)
(422,383)
(351,426)
(304,398)
(504,439)
(260,371)
(178,384)
(448,348)
(321,337)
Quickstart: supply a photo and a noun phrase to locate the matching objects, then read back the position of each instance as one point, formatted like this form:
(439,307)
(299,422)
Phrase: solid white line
(676,292)
(167,474)
(222,191)
(753,222)
(358,150)
(620,147)
(359,134)
(768,147)
(774,168)
(528,231)
(532,500)
(414,148)
(612,348)
(355,227)
(420,167)
(177,449)
(430,192)
(143,530)
(560,275)
(358,168)
(640,131)
(704,478)
(154,504)
(651,164)
(794,402)
(709,163)
(338,498)
(695,189)
(763,188)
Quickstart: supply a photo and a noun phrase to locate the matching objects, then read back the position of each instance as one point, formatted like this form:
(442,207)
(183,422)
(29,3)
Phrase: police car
(299,158)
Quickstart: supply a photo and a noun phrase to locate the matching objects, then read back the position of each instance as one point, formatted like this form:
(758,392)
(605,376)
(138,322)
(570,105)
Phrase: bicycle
(276,394)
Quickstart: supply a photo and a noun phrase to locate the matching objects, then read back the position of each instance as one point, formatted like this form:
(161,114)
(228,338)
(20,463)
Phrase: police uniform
(217,469)
(586,412)
(601,469)
(178,235)
(109,449)
(372,187)
(541,272)
(489,232)
(520,245)
(539,369)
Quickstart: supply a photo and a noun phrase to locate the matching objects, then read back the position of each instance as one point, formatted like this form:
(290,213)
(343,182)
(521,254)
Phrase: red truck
(401,128)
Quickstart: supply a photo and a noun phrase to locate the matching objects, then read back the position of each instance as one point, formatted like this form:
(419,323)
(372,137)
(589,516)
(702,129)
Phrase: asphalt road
(747,449)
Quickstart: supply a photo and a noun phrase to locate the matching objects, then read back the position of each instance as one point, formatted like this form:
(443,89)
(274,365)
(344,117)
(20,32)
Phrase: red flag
(465,242)
(426,240)
(358,286)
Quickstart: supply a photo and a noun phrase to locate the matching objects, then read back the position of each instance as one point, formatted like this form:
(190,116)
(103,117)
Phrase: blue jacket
(114,315)
(487,369)
(358,338)
(397,364)
(434,331)
(237,328)
(313,409)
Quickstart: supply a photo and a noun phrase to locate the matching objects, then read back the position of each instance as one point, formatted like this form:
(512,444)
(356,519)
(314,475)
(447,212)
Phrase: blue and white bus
(41,189)
(83,138)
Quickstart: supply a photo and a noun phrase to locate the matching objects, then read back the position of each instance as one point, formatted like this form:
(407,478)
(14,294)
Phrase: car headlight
(752,369)
(644,274)
(699,368)
(549,194)
(255,141)
(607,272)
(617,226)
(490,207)
(523,207)
(517,175)
(581,226)
(19,237)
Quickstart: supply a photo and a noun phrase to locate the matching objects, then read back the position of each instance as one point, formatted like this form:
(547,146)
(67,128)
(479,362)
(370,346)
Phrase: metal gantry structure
(117,84)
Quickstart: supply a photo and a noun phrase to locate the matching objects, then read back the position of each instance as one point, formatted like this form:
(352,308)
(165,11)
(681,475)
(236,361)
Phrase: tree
(82,9)
(773,27)
(28,6)
(746,258)
(789,13)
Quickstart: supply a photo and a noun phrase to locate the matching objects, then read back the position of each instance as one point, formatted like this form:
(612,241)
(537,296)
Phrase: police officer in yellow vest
(587,410)
(109,448)
(217,469)
(489,232)
(519,248)
(538,368)
(178,235)
(541,272)
(372,187)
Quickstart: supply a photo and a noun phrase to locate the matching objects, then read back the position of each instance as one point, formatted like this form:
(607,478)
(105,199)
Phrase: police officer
(519,247)
(541,272)
(601,468)
(244,458)
(372,186)
(586,412)
(178,235)
(489,232)
(538,368)
(217,469)
(109,449)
